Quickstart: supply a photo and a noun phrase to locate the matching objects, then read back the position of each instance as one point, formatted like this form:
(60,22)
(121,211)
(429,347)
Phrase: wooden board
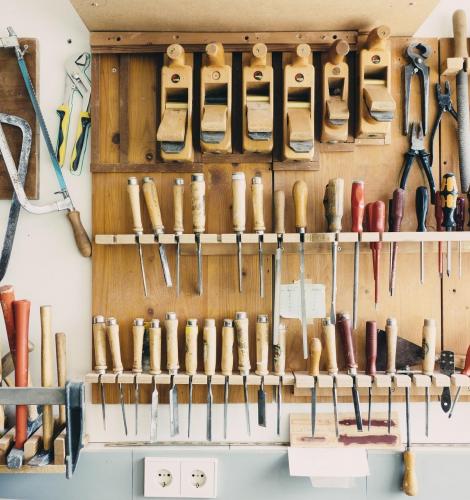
(14,100)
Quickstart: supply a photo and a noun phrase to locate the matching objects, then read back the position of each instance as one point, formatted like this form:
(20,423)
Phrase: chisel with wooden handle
(357,217)
(239,218)
(99,345)
(391,335)
(262,352)
(155,347)
(371,358)
(171,326)
(198,209)
(279,364)
(243,345)
(329,339)
(153,207)
(314,371)
(429,359)
(61,360)
(227,364)
(178,228)
(410,482)
(258,225)
(191,333)
(138,331)
(209,353)
(465,371)
(279,229)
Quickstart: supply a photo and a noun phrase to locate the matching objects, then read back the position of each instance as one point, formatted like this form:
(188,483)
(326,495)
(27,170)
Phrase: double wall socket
(180,477)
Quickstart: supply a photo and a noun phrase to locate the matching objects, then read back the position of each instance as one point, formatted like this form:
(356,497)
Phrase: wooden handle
(391,332)
(357,206)
(377,38)
(99,343)
(226,363)
(466,368)
(47,373)
(171,327)
(371,347)
(279,352)
(7,297)
(138,330)
(459,22)
(329,340)
(279,212)
(410,481)
(315,355)
(262,344)
(190,333)
(302,53)
(343,323)
(155,343)
(209,339)
(215,54)
(82,239)
(257,197)
(300,193)
(153,206)
(429,346)
(198,195)
(334,204)
(112,330)
(337,51)
(238,202)
(175,53)
(178,203)
(243,343)
(134,198)
(259,51)
(61,358)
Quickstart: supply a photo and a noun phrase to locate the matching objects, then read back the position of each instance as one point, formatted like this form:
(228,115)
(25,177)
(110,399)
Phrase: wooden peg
(155,346)
(429,346)
(61,357)
(112,331)
(138,330)
(171,326)
(99,343)
(191,333)
(226,363)
(243,343)
(279,352)
(209,338)
(315,355)
(262,344)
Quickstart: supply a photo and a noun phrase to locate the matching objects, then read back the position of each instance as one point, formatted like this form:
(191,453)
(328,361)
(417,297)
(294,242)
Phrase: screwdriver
(459,223)
(178,228)
(262,348)
(334,207)
(190,362)
(258,226)
(138,330)
(243,345)
(357,216)
(448,195)
(465,371)
(227,364)
(429,353)
(279,229)
(329,340)
(371,358)
(99,344)
(391,333)
(376,223)
(279,365)
(239,217)
(134,198)
(395,217)
(172,364)
(422,203)
(198,201)
(155,348)
(410,483)
(439,215)
(314,371)
(209,337)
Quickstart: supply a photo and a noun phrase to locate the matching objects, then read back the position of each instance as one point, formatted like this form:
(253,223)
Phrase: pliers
(417,53)
(423,157)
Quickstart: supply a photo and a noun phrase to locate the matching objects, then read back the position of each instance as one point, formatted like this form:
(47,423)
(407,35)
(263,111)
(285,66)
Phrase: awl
(257,193)
(391,335)
(357,217)
(371,357)
(329,339)
(429,353)
(279,364)
(227,364)
(178,228)
(279,229)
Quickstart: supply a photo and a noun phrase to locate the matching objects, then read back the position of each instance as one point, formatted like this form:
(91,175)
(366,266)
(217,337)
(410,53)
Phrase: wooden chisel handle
(279,212)
(429,346)
(61,358)
(228,333)
(171,327)
(153,206)
(238,202)
(391,333)
(410,481)
(243,344)
(343,324)
(279,352)
(459,23)
(257,193)
(262,344)
(99,343)
(371,347)
(299,194)
(112,331)
(138,330)
(47,373)
(178,203)
(191,333)
(315,355)
(329,339)
(155,343)
(7,297)
(198,197)
(357,206)
(209,340)
(134,198)
(334,204)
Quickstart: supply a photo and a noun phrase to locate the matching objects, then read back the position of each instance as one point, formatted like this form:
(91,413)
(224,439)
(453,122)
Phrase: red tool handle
(21,310)
(357,206)
(7,297)
(376,223)
(371,347)
(343,325)
(398,208)
(466,368)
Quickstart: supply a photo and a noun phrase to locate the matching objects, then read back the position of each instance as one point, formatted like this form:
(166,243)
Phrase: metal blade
(334,257)
(199,263)
(369,410)
(178,254)
(136,404)
(389,423)
(261,266)
(421,262)
(239,258)
(356,403)
(154,413)
(277,293)
(247,409)
(407,409)
(278,406)
(226,394)
(173,398)
(261,405)
(303,307)
(123,410)
(142,269)
(457,395)
(356,282)
(165,266)
(209,408)
(190,403)
(449,258)
(335,407)
(103,402)
(426,397)
(463,129)
(314,407)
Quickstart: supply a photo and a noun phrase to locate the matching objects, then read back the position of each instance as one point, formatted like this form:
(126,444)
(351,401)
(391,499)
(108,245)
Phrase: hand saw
(81,237)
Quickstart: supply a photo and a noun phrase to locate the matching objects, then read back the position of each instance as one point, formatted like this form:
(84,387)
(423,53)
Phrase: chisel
(465,371)
(99,344)
(459,224)
(429,353)
(178,228)
(300,193)
(198,208)
(371,358)
(258,225)
(190,333)
(334,207)
(171,327)
(112,331)
(329,340)
(410,482)
(134,198)
(227,364)
(422,204)
(357,217)
(155,348)
(397,209)
(279,365)
(314,371)
(209,337)
(138,330)
(239,218)
(262,352)
(243,347)
(391,335)
(448,195)
(376,223)
(279,229)
(61,360)
(343,324)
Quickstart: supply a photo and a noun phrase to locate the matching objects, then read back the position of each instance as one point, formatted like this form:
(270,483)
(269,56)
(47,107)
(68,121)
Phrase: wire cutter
(76,82)
(423,157)
(417,53)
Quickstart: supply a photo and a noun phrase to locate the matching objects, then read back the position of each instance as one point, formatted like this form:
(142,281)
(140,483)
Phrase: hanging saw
(81,237)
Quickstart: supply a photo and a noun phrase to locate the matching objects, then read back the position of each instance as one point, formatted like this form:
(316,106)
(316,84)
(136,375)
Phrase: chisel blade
(314,407)
(303,307)
(226,395)
(178,256)
(154,413)
(209,408)
(165,266)
(357,406)
(190,403)
(136,404)
(247,408)
(335,407)
(173,398)
(142,269)
(262,404)
(277,293)
(123,410)
(103,401)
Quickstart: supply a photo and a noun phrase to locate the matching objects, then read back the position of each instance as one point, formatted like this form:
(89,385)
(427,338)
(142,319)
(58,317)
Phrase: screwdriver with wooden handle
(422,203)
(155,347)
(61,360)
(429,359)
(243,346)
(397,209)
(198,208)
(448,195)
(262,352)
(459,224)
(209,337)
(99,344)
(371,358)
(410,482)
(391,335)
(134,198)
(334,208)
(138,331)
(329,340)
(153,207)
(258,225)
(178,228)
(171,327)
(439,216)
(239,218)
(191,333)
(279,368)
(357,217)
(314,371)
(465,371)
(299,194)
(279,229)
(376,223)
(227,364)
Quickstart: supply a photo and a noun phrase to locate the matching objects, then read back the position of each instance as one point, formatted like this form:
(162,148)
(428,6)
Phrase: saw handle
(153,206)
(429,346)
(315,355)
(371,347)
(84,122)
(300,193)
(47,373)
(333,203)
(61,359)
(459,23)
(410,481)
(209,340)
(279,212)
(64,121)
(357,206)
(79,233)
(238,202)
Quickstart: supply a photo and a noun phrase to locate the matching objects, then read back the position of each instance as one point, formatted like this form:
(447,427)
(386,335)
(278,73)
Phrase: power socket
(198,478)
(162,478)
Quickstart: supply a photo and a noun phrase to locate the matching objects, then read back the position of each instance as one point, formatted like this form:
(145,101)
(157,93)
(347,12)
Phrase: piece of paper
(314,301)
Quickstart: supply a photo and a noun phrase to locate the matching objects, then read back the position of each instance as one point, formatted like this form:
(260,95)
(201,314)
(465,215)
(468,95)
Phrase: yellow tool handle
(329,338)
(334,204)
(61,357)
(64,122)
(243,342)
(238,202)
(171,326)
(279,211)
(80,141)
(134,198)
(191,333)
(429,346)
(153,206)
(99,343)
(198,202)
(410,481)
(391,333)
(178,203)
(112,331)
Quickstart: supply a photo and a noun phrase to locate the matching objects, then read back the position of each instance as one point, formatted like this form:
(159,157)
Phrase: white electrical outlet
(199,478)
(162,478)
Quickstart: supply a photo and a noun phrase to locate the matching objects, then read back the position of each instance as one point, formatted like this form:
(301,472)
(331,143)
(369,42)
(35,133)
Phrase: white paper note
(314,301)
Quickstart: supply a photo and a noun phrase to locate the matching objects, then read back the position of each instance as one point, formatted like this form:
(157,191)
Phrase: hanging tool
(226,365)
(447,366)
(138,330)
(429,353)
(191,333)
(134,198)
(314,371)
(239,218)
(262,352)
(171,326)
(258,225)
(333,203)
(448,195)
(243,345)
(99,344)
(153,207)
(279,366)
(439,216)
(371,357)
(329,340)
(112,330)
(81,237)
(459,224)
(198,208)
(61,359)
(178,228)
(343,323)
(465,371)
(279,229)
(300,193)
(391,332)
(410,483)
(417,53)
(155,346)
(397,208)
(376,223)
(2,409)
(357,217)
(421,204)
(210,349)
